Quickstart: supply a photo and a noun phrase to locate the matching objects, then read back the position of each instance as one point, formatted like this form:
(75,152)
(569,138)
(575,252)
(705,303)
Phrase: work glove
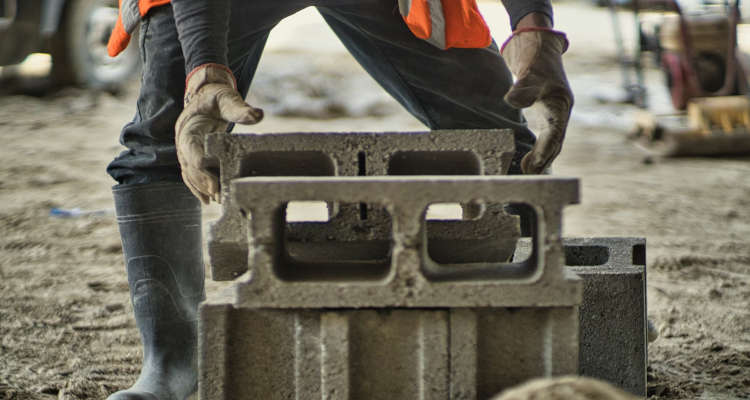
(534,56)
(211,102)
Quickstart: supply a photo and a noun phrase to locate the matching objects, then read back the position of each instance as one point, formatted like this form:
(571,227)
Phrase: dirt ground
(66,329)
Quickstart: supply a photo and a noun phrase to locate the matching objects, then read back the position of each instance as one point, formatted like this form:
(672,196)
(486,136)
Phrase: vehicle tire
(79,49)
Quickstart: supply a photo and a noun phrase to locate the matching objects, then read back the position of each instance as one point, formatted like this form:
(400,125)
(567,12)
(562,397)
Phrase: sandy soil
(66,329)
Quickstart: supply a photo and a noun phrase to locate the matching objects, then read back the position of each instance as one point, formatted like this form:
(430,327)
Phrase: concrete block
(404,275)
(613,314)
(453,152)
(445,353)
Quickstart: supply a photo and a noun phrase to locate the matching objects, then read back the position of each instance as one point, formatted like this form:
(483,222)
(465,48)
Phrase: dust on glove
(211,103)
(534,56)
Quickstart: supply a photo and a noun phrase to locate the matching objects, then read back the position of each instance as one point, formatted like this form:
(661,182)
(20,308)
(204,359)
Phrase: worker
(440,63)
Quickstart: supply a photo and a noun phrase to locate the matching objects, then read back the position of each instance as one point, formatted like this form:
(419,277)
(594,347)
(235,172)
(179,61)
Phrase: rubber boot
(160,226)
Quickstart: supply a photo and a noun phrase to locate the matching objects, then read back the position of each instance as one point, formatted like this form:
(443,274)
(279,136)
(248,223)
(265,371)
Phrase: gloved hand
(211,102)
(534,56)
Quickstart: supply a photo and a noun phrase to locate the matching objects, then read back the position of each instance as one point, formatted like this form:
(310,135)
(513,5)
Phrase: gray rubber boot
(160,226)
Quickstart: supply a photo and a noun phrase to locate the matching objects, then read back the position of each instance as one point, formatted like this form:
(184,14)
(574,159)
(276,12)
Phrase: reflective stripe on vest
(446,23)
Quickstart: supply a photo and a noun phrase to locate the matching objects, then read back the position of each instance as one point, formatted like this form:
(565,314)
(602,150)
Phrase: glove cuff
(205,74)
(557,33)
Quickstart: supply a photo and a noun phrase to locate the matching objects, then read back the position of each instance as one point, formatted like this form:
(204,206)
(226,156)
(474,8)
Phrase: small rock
(50,390)
(653,333)
(97,286)
(114,307)
(656,390)
(113,247)
(714,294)
(37,125)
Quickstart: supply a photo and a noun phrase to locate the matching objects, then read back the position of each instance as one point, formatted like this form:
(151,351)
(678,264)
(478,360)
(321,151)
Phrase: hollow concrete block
(447,353)
(405,274)
(614,344)
(450,152)
(613,314)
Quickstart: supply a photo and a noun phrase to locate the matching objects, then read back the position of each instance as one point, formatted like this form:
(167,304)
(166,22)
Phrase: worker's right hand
(534,55)
(211,102)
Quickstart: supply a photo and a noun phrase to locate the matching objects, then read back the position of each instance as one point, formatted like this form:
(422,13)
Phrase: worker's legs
(159,219)
(445,89)
(160,226)
(160,222)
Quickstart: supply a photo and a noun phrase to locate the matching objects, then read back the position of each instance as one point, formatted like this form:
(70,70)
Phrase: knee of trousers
(146,166)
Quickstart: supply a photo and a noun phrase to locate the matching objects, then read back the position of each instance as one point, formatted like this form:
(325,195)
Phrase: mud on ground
(66,329)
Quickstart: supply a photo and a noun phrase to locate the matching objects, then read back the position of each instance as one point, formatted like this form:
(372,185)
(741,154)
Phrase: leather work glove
(211,102)
(534,56)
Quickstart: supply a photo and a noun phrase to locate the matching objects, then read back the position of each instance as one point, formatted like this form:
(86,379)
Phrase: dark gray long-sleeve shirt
(518,9)
(202,26)
(202,29)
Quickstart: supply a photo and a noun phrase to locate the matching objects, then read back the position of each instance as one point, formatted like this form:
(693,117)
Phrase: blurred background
(655,157)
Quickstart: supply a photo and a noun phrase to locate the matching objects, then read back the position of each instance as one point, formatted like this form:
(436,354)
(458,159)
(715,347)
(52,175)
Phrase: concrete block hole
(576,256)
(478,248)
(287,163)
(434,163)
(316,248)
(438,163)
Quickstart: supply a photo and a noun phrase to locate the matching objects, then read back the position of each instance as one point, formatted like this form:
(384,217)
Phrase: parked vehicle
(73,32)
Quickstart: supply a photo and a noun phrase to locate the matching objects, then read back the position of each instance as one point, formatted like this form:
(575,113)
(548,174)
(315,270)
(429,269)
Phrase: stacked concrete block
(406,328)
(448,354)
(358,228)
(378,302)
(613,340)
(407,276)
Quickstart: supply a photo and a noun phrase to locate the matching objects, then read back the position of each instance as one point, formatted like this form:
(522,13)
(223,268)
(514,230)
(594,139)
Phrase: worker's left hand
(534,56)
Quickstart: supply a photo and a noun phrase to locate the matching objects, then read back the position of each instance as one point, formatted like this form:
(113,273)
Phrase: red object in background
(677,83)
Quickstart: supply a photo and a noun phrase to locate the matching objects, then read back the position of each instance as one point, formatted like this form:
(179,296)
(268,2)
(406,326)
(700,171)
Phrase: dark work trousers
(445,89)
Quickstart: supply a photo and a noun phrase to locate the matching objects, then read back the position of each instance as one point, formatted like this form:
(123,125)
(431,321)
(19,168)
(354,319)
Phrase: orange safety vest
(443,23)
(130,14)
(446,23)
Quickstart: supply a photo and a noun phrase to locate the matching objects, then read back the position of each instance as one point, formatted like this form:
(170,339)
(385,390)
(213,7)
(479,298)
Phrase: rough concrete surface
(335,327)
(613,313)
(453,152)
(408,277)
(390,354)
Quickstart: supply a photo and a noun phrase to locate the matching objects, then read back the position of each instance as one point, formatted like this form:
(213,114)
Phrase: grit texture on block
(450,152)
(410,278)
(442,354)
(613,315)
